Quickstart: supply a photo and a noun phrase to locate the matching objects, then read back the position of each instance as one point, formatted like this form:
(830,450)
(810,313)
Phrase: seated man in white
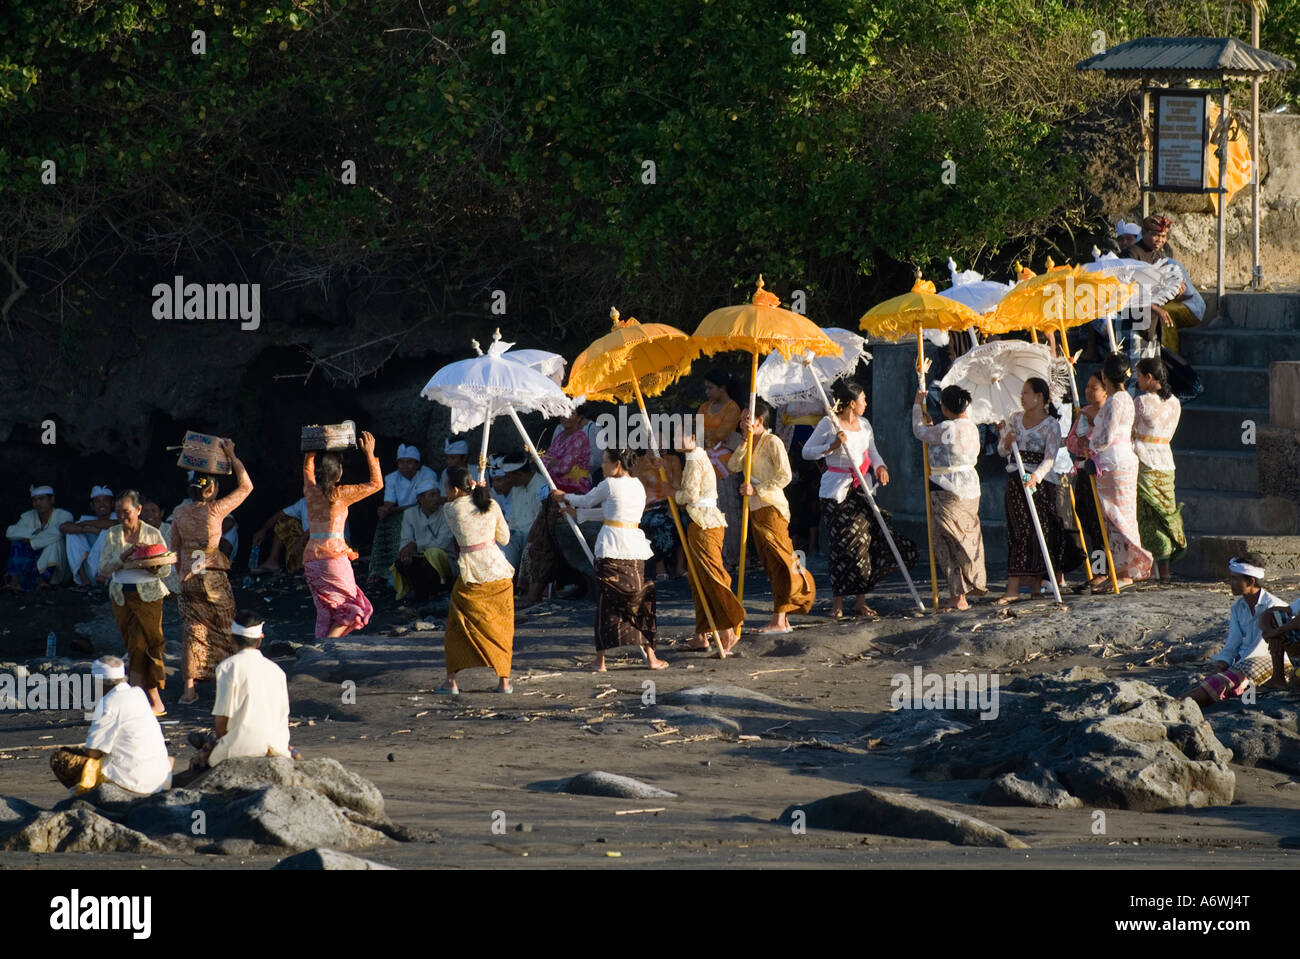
(423,565)
(84,537)
(125,744)
(36,554)
(524,489)
(251,714)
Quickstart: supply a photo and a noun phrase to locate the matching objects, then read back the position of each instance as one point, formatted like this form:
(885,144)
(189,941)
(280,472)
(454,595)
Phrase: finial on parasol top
(764,297)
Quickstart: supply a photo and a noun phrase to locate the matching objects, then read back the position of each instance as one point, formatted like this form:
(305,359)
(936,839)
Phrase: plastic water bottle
(51,645)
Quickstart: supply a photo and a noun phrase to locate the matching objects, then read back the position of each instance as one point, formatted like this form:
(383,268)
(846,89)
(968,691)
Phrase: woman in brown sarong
(704,538)
(793,590)
(137,597)
(207,605)
(625,605)
(954,494)
(481,618)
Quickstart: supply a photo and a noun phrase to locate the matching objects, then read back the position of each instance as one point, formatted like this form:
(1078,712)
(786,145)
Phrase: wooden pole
(925,462)
(677,521)
(1256,271)
(857,473)
(537,459)
(1105,537)
(749,470)
(1223,193)
(1146,151)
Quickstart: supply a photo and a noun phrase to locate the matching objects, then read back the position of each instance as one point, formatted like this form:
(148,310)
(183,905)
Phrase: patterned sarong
(625,605)
(423,574)
(1024,558)
(74,768)
(339,600)
(481,626)
(1117,490)
(657,524)
(1232,682)
(958,542)
(140,624)
(793,590)
(386,544)
(22,563)
(207,609)
(289,532)
(1159,517)
(859,559)
(714,581)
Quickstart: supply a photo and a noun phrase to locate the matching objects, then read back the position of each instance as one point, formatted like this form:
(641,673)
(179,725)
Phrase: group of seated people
(125,744)
(47,547)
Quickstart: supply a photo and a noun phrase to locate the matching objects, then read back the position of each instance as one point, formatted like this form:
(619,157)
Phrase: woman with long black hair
(1156,414)
(625,605)
(859,558)
(481,616)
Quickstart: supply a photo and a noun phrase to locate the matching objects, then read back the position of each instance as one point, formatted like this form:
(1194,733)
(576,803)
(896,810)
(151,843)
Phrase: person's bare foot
(954,606)
(1006,599)
(862,609)
(655,663)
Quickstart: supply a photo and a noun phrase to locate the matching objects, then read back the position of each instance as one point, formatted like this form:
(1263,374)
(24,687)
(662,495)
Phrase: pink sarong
(339,600)
(1117,490)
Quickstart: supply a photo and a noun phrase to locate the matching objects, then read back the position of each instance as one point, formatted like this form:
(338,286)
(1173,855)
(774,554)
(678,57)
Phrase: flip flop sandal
(448,692)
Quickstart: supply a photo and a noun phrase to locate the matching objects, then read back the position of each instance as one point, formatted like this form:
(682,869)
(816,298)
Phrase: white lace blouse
(838,478)
(954,451)
(1154,423)
(1045,438)
(622,500)
(470,527)
(1111,444)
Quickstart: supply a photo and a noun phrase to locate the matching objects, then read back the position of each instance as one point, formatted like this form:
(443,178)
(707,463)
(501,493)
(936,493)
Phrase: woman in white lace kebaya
(625,605)
(954,494)
(1159,517)
(1036,431)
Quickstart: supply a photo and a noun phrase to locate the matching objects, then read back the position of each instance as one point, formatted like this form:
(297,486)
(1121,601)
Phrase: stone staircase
(1218,474)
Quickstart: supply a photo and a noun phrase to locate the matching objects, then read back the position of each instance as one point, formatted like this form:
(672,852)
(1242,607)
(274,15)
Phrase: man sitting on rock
(1245,657)
(289,538)
(83,536)
(36,554)
(125,744)
(1281,630)
(251,714)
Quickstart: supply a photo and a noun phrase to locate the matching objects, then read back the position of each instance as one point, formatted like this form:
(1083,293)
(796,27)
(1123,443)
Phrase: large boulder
(1119,744)
(327,859)
(324,776)
(296,818)
(1264,733)
(598,783)
(78,830)
(894,814)
(15,813)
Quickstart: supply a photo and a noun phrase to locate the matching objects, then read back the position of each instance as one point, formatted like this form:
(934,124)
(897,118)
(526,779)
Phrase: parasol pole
(925,462)
(483,450)
(749,469)
(1105,537)
(857,474)
(532,451)
(677,521)
(1069,485)
(1038,527)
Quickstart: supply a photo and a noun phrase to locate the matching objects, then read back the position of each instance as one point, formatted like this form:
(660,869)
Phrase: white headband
(100,491)
(248,632)
(458,448)
(41,490)
(1245,569)
(511,466)
(407,452)
(101,670)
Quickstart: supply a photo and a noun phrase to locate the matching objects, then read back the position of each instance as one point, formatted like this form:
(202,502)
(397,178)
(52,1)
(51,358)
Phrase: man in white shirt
(251,714)
(289,529)
(83,536)
(399,496)
(36,553)
(423,564)
(1245,657)
(457,455)
(524,489)
(125,744)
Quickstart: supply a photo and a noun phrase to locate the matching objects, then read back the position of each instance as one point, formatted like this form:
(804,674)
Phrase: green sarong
(1160,518)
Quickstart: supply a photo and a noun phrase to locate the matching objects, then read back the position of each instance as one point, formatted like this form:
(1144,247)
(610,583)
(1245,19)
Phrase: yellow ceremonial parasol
(630,362)
(759,326)
(914,312)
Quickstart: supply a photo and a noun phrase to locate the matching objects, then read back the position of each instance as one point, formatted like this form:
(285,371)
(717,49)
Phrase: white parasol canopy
(483,386)
(971,289)
(550,365)
(1157,283)
(781,382)
(995,372)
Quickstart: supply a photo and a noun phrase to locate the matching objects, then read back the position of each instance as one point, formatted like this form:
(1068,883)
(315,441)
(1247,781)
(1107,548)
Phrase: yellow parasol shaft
(1105,538)
(749,470)
(925,461)
(677,521)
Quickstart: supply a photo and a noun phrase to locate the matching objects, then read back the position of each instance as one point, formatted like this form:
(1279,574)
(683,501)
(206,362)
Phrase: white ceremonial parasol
(970,288)
(550,365)
(498,383)
(994,374)
(781,382)
(1157,283)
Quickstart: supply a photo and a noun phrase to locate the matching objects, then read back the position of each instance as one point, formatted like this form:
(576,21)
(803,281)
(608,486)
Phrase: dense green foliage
(524,170)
